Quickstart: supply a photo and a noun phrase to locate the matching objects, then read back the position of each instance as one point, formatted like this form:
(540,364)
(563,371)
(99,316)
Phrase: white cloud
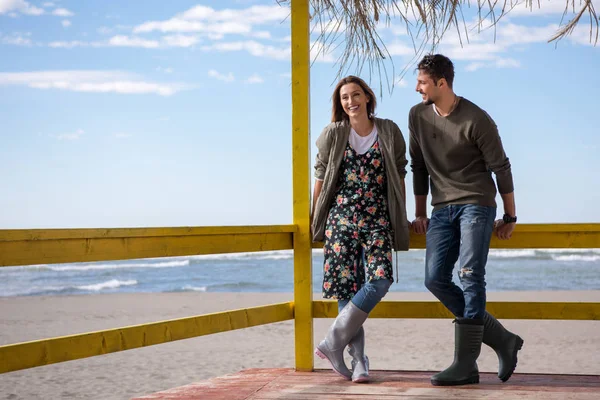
(62,12)
(255,15)
(48,4)
(261,35)
(184,26)
(255,48)
(497,63)
(217,75)
(167,70)
(131,41)
(89,82)
(400,82)
(21,6)
(320,52)
(202,19)
(581,35)
(507,63)
(16,39)
(71,136)
(179,40)
(474,66)
(255,79)
(126,41)
(68,45)
(400,49)
(65,23)
(544,8)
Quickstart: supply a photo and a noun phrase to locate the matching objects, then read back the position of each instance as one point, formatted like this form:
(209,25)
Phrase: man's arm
(503,230)
(420,180)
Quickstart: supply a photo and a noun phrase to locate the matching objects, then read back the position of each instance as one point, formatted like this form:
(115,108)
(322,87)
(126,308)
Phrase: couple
(359,211)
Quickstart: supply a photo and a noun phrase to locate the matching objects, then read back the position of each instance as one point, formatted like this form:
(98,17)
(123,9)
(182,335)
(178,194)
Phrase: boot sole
(518,346)
(324,357)
(361,380)
(473,379)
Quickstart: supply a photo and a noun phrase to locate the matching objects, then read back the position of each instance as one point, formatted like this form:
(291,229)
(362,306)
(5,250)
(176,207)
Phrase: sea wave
(90,267)
(112,284)
(263,255)
(189,288)
(561,251)
(67,289)
(512,253)
(576,257)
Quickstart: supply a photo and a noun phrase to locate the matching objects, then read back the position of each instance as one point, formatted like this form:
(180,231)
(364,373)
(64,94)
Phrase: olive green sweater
(457,153)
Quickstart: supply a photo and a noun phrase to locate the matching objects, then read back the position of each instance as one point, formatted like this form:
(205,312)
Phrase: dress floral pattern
(358,226)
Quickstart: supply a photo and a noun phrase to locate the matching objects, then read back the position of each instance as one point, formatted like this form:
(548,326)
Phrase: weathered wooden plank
(303,320)
(535,236)
(18,356)
(10,235)
(46,251)
(285,384)
(500,309)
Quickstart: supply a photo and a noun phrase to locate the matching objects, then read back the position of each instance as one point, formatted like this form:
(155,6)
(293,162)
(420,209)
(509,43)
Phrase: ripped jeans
(459,232)
(369,295)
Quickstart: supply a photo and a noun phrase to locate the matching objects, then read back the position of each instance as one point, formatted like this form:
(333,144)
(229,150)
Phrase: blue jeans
(368,296)
(459,232)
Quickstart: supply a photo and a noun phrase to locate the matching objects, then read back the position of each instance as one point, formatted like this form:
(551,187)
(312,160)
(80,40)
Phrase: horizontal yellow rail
(536,236)
(500,309)
(18,356)
(46,246)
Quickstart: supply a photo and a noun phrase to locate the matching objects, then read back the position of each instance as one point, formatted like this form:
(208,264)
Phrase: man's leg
(443,239)
(476,227)
(476,232)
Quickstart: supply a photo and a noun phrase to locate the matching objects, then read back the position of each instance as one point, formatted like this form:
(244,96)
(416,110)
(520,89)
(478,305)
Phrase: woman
(359,211)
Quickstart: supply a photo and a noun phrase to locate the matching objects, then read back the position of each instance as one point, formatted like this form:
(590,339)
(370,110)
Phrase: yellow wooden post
(301,186)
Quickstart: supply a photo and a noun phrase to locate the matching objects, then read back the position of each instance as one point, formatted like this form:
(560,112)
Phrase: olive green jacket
(332,144)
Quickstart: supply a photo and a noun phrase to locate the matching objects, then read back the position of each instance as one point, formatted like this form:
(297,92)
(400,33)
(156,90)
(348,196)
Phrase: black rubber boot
(505,343)
(468,334)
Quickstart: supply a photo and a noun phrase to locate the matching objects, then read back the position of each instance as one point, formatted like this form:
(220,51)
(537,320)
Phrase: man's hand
(420,225)
(503,231)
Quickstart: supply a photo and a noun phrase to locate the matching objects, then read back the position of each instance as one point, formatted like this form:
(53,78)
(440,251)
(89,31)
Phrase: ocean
(507,270)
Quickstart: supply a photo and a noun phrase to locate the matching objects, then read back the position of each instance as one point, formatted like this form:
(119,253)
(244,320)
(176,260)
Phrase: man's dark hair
(437,66)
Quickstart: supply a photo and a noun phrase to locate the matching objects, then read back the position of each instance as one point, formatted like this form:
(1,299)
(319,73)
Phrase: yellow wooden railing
(26,247)
(23,247)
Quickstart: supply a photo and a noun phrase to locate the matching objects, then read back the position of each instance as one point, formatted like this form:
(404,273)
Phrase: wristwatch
(508,219)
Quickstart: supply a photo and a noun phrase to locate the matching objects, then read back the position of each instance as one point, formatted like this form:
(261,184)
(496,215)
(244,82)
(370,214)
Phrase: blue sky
(128,113)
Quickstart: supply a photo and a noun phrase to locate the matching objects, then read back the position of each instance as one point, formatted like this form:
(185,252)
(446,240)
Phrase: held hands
(503,230)
(420,225)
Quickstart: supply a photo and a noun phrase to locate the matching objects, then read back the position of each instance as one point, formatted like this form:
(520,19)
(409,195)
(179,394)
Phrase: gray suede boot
(506,345)
(360,362)
(343,329)
(468,334)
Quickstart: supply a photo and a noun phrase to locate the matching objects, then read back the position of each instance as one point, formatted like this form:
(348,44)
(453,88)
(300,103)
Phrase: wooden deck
(258,384)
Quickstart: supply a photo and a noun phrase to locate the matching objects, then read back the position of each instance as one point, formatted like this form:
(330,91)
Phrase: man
(455,145)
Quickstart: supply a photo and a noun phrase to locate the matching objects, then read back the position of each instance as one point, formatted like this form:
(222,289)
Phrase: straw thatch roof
(353,25)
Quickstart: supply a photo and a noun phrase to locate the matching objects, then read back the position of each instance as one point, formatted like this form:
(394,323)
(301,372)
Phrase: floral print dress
(358,225)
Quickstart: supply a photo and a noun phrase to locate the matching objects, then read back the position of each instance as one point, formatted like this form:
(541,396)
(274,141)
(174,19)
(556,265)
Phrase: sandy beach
(571,347)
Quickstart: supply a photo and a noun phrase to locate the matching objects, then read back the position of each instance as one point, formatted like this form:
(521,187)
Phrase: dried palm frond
(354,25)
